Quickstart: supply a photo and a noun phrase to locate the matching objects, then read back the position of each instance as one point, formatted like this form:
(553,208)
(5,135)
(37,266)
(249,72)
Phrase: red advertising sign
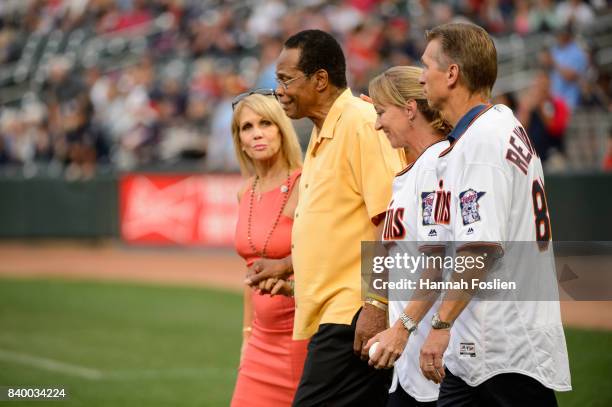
(188,210)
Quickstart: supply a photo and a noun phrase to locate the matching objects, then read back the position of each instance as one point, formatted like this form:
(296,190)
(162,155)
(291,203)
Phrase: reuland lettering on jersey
(442,210)
(427,200)
(469,206)
(516,154)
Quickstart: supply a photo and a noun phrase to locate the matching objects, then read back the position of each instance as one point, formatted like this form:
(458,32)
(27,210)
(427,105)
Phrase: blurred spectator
(544,115)
(262,22)
(576,13)
(491,17)
(361,53)
(568,62)
(221,155)
(136,82)
(543,17)
(270,50)
(521,22)
(397,47)
(344,16)
(597,91)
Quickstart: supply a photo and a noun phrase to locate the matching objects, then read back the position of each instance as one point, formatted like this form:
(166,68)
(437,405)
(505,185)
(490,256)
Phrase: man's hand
(391,344)
(371,321)
(264,269)
(431,354)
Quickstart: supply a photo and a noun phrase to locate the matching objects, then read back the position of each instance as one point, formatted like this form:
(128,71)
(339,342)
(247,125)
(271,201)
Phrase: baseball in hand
(373,349)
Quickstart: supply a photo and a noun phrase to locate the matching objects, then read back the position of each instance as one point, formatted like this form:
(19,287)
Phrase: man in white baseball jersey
(490,191)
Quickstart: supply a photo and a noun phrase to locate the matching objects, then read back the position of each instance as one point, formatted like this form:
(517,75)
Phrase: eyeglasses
(263,92)
(285,84)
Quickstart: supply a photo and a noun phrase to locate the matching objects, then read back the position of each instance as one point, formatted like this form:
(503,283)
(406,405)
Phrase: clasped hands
(270,276)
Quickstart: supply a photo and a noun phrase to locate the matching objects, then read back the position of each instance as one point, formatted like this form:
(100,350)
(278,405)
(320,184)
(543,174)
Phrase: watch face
(437,324)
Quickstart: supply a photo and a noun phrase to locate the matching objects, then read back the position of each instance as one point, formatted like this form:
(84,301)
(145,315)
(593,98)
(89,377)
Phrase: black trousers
(399,398)
(334,376)
(503,390)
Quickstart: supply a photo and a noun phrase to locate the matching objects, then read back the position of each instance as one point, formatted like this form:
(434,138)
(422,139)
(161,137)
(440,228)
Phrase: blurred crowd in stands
(171,103)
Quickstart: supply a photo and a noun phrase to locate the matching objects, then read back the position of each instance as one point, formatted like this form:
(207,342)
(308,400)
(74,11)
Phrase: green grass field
(138,345)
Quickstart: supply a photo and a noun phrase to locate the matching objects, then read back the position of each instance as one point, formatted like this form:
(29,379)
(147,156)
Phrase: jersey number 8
(540,210)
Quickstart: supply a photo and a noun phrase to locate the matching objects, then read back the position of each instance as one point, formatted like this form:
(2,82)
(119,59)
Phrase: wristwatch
(408,323)
(436,323)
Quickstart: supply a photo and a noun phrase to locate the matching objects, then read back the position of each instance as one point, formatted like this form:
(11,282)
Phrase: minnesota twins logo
(427,200)
(469,205)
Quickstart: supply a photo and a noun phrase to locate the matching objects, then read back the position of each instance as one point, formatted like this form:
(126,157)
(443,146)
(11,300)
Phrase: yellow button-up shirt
(346,182)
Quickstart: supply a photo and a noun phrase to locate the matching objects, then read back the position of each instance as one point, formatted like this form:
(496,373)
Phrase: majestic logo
(469,206)
(433,233)
(427,200)
(470,231)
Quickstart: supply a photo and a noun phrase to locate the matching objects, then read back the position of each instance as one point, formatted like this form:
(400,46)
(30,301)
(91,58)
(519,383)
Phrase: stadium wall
(53,207)
(42,207)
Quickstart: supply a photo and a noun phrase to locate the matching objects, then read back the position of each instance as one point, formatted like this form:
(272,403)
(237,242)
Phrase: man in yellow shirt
(344,191)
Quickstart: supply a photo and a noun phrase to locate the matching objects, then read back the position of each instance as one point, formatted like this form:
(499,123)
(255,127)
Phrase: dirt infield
(219,268)
(108,261)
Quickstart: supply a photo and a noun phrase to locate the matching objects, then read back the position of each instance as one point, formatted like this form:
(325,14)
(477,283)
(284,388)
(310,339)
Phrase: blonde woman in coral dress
(271,361)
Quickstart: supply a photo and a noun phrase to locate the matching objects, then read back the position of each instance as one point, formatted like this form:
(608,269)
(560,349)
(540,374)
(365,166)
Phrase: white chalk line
(185,372)
(50,365)
(84,372)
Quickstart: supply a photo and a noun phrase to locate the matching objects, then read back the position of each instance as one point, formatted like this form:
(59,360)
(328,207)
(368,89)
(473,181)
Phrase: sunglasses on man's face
(264,92)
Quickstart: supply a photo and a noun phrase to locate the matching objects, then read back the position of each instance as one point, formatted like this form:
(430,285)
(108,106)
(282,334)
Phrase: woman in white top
(409,123)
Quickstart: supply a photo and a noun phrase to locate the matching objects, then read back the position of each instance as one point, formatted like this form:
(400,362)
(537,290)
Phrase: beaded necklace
(285,190)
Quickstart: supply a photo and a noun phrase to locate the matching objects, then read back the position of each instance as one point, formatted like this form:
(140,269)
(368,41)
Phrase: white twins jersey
(409,218)
(491,189)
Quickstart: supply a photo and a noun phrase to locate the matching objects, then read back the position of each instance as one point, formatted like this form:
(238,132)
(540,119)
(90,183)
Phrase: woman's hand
(391,344)
(274,286)
(265,269)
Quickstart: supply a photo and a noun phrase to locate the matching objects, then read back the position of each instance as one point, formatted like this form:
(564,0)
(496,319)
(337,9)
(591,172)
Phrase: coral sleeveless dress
(272,364)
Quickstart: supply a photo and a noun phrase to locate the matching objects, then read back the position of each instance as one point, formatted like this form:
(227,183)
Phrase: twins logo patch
(427,199)
(469,205)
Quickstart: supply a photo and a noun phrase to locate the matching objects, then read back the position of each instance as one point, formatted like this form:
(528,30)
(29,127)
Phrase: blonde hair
(268,108)
(399,84)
